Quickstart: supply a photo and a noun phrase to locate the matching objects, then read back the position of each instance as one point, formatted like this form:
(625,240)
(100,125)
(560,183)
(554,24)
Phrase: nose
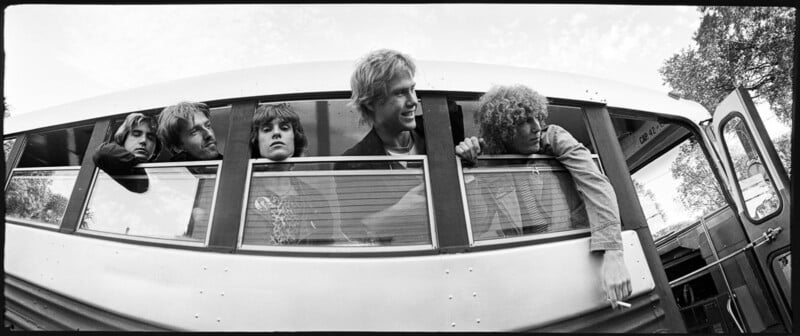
(208,134)
(276,135)
(412,100)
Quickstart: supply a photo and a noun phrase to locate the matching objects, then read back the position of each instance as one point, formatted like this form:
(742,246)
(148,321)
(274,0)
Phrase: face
(198,139)
(276,140)
(527,138)
(141,141)
(396,113)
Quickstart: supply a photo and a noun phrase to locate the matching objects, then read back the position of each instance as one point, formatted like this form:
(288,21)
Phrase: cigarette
(624,304)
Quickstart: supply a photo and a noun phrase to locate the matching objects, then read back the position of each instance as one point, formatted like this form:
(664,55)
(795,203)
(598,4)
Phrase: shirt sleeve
(594,187)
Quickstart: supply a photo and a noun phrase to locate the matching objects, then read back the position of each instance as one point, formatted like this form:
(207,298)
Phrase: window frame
(433,245)
(159,241)
(53,168)
(739,192)
(529,238)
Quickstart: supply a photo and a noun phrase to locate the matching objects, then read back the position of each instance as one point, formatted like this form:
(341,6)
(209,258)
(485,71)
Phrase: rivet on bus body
(226,269)
(219,319)
(470,269)
(450,297)
(196,316)
(204,268)
(222,294)
(453,324)
(474,294)
(447,271)
(201,291)
(477,320)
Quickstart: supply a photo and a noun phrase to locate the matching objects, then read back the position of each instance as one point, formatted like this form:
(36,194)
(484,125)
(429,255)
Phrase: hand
(469,149)
(615,279)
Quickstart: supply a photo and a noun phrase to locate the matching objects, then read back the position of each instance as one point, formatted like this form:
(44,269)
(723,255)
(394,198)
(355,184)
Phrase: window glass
(331,126)
(782,269)
(759,194)
(7,145)
(64,147)
(314,204)
(39,196)
(220,121)
(166,202)
(570,118)
(515,197)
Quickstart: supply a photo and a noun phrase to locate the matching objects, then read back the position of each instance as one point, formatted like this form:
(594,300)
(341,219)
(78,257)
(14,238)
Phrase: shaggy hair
(265,114)
(501,109)
(175,119)
(132,121)
(370,80)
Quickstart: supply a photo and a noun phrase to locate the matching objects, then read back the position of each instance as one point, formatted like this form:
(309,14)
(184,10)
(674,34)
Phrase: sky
(55,54)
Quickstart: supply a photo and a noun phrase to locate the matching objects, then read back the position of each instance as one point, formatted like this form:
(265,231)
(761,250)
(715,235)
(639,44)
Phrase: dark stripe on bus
(84,180)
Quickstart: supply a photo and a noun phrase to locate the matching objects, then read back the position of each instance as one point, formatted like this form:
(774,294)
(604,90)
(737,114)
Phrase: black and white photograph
(436,167)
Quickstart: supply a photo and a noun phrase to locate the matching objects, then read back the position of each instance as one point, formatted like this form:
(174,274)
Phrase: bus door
(759,186)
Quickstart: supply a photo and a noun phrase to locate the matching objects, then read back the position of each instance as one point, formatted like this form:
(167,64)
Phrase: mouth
(210,144)
(408,114)
(140,150)
(277,143)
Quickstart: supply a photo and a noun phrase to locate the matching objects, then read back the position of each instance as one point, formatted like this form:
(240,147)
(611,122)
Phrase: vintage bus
(191,253)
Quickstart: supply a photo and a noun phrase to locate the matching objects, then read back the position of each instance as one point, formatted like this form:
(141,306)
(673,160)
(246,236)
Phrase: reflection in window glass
(760,196)
(63,147)
(514,197)
(7,145)
(168,203)
(39,196)
(314,205)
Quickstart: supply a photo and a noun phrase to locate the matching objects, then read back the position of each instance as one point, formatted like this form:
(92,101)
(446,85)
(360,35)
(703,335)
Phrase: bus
(190,253)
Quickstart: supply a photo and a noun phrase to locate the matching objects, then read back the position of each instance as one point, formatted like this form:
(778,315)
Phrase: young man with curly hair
(512,121)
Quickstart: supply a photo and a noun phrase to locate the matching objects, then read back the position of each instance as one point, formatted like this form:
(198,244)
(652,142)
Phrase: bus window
(39,188)
(173,202)
(220,120)
(758,192)
(497,188)
(325,207)
(7,145)
(516,197)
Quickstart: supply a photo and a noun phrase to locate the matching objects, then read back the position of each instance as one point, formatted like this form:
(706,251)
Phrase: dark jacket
(119,163)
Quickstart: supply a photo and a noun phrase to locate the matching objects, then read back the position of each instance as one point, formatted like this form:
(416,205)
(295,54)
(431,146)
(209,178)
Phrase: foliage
(647,196)
(698,190)
(30,197)
(750,47)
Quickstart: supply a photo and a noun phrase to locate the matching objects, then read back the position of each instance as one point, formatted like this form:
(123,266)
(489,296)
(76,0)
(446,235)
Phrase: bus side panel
(516,288)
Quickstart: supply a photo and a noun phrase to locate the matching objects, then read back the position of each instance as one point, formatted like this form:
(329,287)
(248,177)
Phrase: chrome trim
(529,169)
(132,238)
(529,237)
(429,201)
(245,200)
(336,248)
(345,158)
(89,194)
(53,168)
(217,163)
(213,204)
(463,187)
(22,221)
(365,172)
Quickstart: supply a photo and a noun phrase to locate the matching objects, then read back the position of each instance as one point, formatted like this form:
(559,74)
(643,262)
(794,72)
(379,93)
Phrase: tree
(648,199)
(750,47)
(698,191)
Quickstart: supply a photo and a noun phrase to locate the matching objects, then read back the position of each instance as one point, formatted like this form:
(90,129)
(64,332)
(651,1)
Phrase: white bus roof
(335,76)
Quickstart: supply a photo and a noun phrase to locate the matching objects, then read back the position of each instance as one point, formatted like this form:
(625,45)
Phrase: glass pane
(40,196)
(760,196)
(782,269)
(320,206)
(7,145)
(158,202)
(514,197)
(64,147)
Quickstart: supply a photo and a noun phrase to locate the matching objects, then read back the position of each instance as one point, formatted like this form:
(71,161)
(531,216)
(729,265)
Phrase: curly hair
(372,76)
(501,109)
(265,114)
(133,120)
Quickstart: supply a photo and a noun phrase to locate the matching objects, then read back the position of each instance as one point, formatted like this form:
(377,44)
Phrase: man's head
(383,90)
(276,133)
(186,127)
(511,119)
(138,135)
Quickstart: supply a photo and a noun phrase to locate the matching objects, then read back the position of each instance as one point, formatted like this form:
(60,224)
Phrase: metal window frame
(27,169)
(167,241)
(341,248)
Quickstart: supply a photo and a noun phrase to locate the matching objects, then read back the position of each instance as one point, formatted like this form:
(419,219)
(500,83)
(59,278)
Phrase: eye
(285,127)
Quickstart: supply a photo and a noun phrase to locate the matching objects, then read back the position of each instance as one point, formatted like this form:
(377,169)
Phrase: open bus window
(220,121)
(522,196)
(40,196)
(758,192)
(176,203)
(313,204)
(7,145)
(63,147)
